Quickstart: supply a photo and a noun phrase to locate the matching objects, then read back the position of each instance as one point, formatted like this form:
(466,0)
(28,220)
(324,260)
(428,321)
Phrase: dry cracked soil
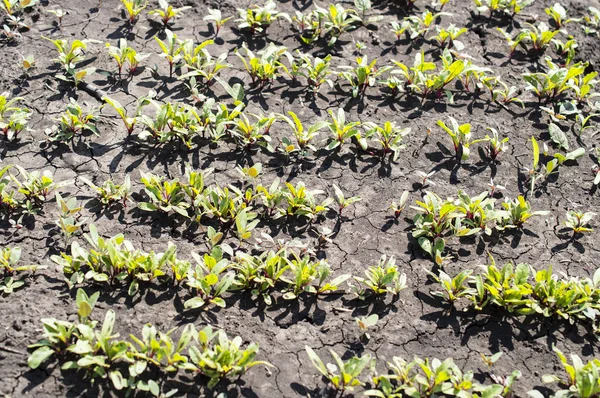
(414,324)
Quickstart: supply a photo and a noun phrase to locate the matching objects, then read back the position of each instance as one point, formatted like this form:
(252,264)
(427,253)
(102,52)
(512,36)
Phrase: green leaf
(195,302)
(38,356)
(558,136)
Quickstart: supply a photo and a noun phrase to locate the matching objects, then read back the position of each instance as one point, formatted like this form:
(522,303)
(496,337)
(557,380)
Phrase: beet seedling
(363,76)
(314,69)
(130,121)
(165,196)
(123,53)
(420,25)
(304,271)
(69,221)
(58,13)
(591,21)
(134,8)
(461,137)
(454,288)
(304,136)
(266,64)
(489,361)
(28,63)
(446,37)
(36,186)
(517,212)
(337,20)
(510,7)
(74,121)
(170,50)
(217,18)
(539,37)
(342,201)
(579,221)
(380,279)
(425,178)
(222,357)
(11,7)
(364,323)
(299,201)
(258,19)
(343,376)
(559,15)
(309,25)
(495,187)
(209,281)
(398,207)
(581,379)
(340,130)
(496,145)
(69,55)
(13,119)
(110,193)
(167,12)
(399,29)
(389,137)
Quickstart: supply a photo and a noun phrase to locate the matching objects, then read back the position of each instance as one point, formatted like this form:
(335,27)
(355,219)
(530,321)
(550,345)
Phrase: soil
(417,323)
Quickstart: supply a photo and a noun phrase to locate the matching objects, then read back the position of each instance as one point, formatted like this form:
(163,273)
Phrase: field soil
(416,323)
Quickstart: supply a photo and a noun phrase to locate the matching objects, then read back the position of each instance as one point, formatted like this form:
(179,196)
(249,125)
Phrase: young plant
(447,37)
(110,193)
(69,221)
(517,212)
(454,288)
(113,261)
(434,220)
(165,196)
(36,186)
(222,357)
(314,69)
(13,119)
(509,7)
(266,64)
(582,380)
(170,49)
(496,145)
(58,13)
(69,55)
(398,207)
(73,122)
(340,130)
(217,18)
(209,281)
(461,137)
(381,279)
(342,201)
(9,268)
(129,121)
(167,12)
(363,76)
(558,13)
(389,137)
(538,36)
(579,221)
(304,136)
(125,54)
(28,63)
(134,8)
(343,376)
(337,20)
(258,19)
(364,323)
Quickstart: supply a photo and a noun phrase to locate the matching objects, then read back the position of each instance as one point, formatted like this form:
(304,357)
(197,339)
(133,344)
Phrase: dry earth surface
(416,323)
